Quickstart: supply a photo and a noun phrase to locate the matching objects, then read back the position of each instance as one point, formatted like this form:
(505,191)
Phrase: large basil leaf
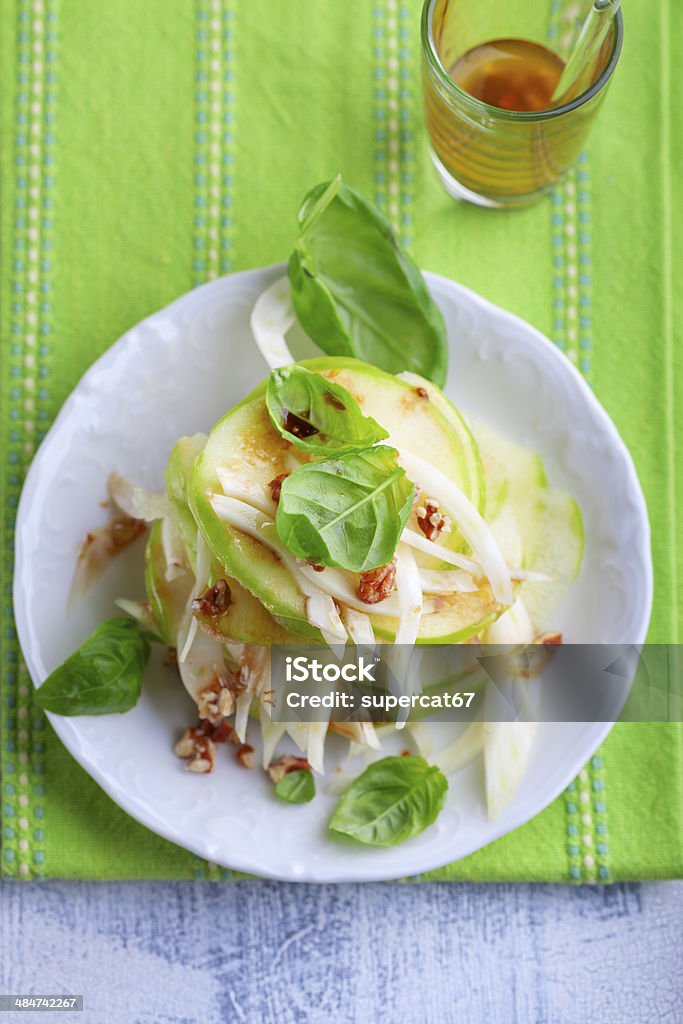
(393,800)
(103,676)
(318,415)
(349,511)
(357,292)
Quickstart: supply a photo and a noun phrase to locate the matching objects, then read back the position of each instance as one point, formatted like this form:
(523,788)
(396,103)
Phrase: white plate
(178,372)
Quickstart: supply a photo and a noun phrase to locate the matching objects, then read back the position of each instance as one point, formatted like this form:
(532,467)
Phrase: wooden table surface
(264,952)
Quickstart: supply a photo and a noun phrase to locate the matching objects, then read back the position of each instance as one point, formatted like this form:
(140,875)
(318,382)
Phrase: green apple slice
(178,471)
(167,597)
(244,621)
(548,520)
(474,480)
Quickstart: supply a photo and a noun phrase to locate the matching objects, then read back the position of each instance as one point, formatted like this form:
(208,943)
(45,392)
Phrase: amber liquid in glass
(517,158)
(513,74)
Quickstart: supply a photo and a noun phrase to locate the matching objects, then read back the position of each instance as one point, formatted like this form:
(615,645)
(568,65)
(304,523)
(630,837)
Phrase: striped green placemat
(148,147)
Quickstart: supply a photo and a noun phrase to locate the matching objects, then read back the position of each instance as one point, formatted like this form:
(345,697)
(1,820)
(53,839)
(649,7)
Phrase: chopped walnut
(245,755)
(377,584)
(220,732)
(422,392)
(197,749)
(185,745)
(217,700)
(214,602)
(276,486)
(237,681)
(207,704)
(316,568)
(226,702)
(286,764)
(549,639)
(431,521)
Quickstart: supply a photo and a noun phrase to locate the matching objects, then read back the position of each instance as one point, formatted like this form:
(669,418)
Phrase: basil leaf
(103,676)
(317,415)
(349,511)
(296,787)
(393,800)
(357,292)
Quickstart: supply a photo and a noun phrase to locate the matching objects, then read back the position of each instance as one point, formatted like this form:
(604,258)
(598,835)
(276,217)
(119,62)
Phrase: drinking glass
(488,155)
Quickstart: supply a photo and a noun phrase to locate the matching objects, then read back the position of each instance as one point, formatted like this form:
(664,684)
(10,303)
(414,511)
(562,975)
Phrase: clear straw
(579,66)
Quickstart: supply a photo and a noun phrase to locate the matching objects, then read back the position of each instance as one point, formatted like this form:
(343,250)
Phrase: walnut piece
(377,584)
(549,639)
(185,745)
(216,701)
(245,755)
(214,602)
(431,521)
(221,732)
(286,764)
(197,749)
(276,486)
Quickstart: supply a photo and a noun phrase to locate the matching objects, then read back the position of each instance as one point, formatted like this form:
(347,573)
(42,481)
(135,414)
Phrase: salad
(345,500)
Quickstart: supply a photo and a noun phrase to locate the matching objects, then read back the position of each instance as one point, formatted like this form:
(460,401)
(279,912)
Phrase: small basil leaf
(357,292)
(317,415)
(296,787)
(348,512)
(103,676)
(393,800)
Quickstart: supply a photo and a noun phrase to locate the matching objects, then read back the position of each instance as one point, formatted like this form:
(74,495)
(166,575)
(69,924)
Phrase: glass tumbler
(483,153)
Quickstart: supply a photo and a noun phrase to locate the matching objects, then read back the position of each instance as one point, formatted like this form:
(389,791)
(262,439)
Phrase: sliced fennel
(507,751)
(359,627)
(271,318)
(140,611)
(507,745)
(467,519)
(190,626)
(174,550)
(468,745)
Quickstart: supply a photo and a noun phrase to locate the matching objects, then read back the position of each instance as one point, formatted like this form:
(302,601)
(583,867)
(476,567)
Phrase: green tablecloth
(149,146)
